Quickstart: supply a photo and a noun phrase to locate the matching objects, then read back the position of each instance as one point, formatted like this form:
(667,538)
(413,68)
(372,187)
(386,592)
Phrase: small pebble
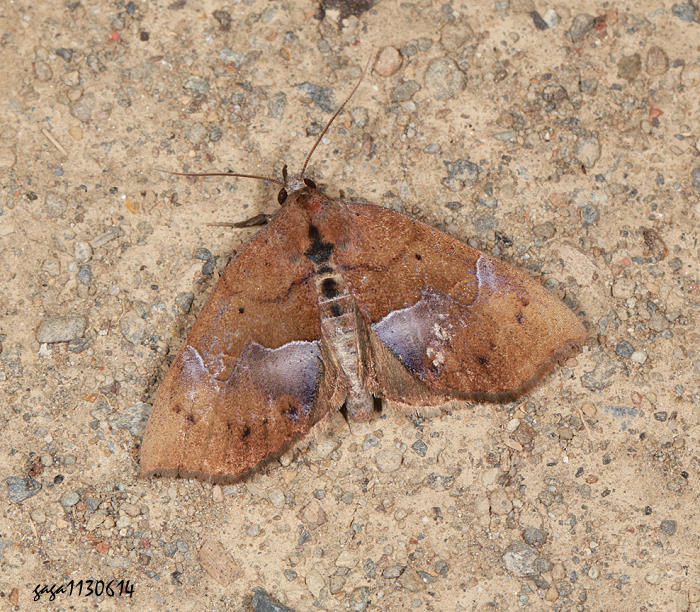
(83,108)
(69,499)
(388,62)
(512,425)
(588,150)
(657,61)
(639,357)
(443,79)
(393,571)
(388,460)
(320,96)
(500,503)
(133,418)
(405,91)
(133,327)
(336,583)
(624,349)
(315,583)
(629,66)
(668,526)
(19,489)
(55,328)
(65,54)
(196,84)
(276,105)
(370,441)
(520,559)
(42,71)
(685,11)
(54,205)
(420,448)
(276,497)
(183,301)
(534,537)
(581,25)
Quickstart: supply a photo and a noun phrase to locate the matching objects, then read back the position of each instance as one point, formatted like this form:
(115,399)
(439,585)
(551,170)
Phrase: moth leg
(259,219)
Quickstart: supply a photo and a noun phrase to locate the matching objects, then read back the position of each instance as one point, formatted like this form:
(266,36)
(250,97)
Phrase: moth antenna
(236,174)
(332,119)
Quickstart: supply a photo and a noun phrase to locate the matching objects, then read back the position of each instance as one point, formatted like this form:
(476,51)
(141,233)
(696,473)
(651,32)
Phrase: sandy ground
(564,141)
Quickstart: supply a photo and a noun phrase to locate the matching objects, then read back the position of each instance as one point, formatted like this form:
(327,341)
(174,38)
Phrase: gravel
(57,328)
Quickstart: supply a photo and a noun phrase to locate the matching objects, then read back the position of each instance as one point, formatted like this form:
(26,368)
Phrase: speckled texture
(563,141)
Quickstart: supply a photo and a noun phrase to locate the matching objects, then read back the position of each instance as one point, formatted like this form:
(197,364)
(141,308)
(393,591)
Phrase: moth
(338,305)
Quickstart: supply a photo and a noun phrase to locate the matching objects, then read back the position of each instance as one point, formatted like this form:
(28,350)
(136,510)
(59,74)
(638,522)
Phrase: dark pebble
(66,54)
(589,214)
(647,510)
(133,418)
(262,602)
(624,349)
(370,568)
(209,266)
(290,575)
(661,416)
(405,91)
(540,23)
(202,254)
(668,526)
(606,459)
(676,264)
(78,345)
(696,178)
(685,11)
(420,448)
(19,489)
(453,205)
(321,96)
(462,169)
(534,537)
(85,274)
(144,36)
(92,503)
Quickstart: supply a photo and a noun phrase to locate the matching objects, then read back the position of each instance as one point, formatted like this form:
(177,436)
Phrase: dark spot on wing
(418,256)
(319,251)
(177,408)
(245,433)
(520,317)
(336,310)
(190,419)
(241,310)
(482,360)
(324,269)
(291,412)
(329,287)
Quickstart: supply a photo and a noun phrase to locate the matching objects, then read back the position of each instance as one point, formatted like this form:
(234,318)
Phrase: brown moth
(341,304)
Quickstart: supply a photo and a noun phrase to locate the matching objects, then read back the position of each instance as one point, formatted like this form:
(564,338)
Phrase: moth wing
(459,321)
(249,379)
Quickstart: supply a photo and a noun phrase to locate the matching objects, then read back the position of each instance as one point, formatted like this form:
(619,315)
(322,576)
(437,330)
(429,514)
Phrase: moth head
(292,184)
